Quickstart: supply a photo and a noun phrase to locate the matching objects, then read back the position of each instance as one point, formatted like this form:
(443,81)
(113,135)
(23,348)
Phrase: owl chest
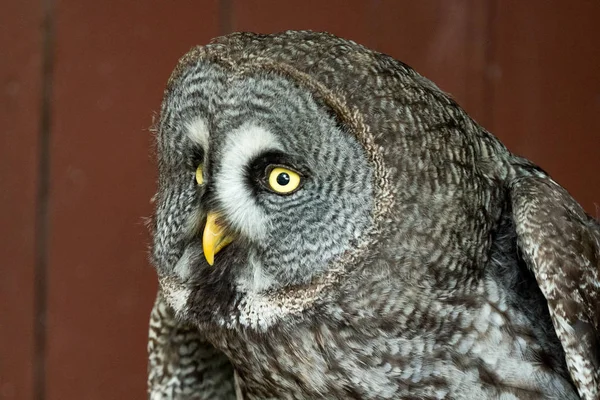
(277,364)
(313,362)
(332,361)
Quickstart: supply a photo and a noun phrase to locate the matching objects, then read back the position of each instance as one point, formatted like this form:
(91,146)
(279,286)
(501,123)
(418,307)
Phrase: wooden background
(81,79)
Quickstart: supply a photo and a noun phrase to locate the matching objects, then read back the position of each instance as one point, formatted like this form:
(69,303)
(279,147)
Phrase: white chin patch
(197,131)
(254,280)
(232,190)
(184,265)
(176,295)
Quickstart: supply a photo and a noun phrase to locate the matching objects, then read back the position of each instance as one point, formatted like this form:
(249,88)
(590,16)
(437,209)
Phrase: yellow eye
(199,175)
(283,180)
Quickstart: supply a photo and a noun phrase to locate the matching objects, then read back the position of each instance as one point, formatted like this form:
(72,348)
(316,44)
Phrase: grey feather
(181,364)
(419,258)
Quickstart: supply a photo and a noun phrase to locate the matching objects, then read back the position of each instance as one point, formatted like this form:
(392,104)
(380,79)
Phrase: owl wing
(181,364)
(561,245)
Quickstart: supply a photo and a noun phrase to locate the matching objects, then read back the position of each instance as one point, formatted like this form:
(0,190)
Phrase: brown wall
(80,81)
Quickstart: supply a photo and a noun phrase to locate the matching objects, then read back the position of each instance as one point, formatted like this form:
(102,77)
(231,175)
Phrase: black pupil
(283,179)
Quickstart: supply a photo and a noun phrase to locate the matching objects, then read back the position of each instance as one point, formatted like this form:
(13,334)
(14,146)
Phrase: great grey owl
(329,224)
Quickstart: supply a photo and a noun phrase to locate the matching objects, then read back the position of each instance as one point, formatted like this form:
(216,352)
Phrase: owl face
(260,187)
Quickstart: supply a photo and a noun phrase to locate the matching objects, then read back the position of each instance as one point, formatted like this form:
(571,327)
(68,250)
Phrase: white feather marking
(197,131)
(179,299)
(230,182)
(175,295)
(182,268)
(255,280)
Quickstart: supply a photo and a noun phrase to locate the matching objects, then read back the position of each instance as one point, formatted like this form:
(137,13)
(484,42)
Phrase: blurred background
(81,80)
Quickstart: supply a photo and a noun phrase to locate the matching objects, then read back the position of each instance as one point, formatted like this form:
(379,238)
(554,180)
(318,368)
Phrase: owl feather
(330,224)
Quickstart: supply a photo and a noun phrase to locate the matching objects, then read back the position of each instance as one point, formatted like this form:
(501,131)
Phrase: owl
(329,224)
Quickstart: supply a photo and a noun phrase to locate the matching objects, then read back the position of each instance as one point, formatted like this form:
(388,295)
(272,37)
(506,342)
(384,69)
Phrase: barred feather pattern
(420,260)
(562,245)
(183,366)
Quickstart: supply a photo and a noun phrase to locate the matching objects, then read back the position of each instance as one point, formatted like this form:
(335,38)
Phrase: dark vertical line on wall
(225,16)
(41,219)
(489,67)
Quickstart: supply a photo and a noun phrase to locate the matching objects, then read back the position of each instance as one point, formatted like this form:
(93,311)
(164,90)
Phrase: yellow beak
(214,238)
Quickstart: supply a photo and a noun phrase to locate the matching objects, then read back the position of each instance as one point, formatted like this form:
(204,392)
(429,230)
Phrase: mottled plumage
(418,259)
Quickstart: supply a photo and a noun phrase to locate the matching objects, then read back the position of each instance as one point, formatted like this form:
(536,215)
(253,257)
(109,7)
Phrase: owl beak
(214,238)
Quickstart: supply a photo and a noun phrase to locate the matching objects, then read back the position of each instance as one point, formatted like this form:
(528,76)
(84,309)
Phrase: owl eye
(199,175)
(283,180)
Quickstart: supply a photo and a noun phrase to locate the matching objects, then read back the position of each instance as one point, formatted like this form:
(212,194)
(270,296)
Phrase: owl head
(262,180)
